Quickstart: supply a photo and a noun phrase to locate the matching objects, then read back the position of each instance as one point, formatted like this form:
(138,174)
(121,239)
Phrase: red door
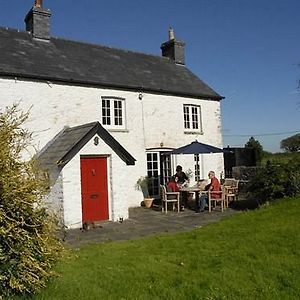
(94,193)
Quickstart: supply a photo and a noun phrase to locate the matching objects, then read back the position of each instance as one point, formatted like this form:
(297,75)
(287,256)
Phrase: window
(192,118)
(158,170)
(166,168)
(153,173)
(113,112)
(197,167)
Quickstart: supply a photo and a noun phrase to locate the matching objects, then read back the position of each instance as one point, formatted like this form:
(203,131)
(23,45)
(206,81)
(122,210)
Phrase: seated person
(172,185)
(180,176)
(181,179)
(214,185)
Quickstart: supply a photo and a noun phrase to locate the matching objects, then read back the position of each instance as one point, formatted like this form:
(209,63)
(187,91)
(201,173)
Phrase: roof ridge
(88,43)
(108,47)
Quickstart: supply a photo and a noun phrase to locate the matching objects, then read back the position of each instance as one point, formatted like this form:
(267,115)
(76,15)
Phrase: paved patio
(144,222)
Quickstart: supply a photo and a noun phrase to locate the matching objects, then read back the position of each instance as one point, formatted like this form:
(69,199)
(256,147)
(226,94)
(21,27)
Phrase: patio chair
(215,198)
(230,190)
(169,197)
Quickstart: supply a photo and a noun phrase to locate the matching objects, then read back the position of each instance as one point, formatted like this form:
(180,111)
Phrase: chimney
(37,21)
(173,49)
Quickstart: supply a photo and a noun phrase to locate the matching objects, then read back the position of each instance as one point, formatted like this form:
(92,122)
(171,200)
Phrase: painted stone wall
(150,121)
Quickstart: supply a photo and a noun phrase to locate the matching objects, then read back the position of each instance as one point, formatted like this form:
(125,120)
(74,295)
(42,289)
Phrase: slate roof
(68,143)
(88,64)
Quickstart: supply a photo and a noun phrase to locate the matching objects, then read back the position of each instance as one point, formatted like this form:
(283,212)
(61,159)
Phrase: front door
(94,189)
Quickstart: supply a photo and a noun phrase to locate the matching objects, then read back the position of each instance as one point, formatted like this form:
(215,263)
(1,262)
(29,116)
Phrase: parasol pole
(198,167)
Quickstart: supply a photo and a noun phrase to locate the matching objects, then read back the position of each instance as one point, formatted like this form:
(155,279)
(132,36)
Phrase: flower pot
(148,202)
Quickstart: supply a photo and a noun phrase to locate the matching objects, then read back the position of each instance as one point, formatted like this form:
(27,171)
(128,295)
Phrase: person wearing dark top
(181,179)
(180,176)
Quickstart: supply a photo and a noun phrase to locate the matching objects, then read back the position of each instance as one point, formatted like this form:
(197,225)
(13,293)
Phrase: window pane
(118,112)
(195,117)
(186,117)
(105,111)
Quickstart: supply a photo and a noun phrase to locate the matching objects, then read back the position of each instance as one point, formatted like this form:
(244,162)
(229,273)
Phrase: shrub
(275,181)
(28,246)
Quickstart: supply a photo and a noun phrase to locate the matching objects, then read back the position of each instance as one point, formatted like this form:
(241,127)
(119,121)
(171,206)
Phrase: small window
(192,118)
(113,112)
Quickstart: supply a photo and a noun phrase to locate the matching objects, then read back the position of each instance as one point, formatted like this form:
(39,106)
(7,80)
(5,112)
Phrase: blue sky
(247,50)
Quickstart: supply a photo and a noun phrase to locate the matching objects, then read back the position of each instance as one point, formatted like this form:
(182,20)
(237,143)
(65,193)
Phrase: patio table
(193,189)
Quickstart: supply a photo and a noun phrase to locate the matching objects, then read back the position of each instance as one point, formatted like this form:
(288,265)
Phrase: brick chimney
(37,21)
(173,49)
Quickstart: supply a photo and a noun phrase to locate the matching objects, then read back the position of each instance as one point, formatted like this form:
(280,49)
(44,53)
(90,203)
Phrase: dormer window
(192,118)
(113,112)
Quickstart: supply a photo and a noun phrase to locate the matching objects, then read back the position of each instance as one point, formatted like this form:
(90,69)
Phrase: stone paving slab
(143,222)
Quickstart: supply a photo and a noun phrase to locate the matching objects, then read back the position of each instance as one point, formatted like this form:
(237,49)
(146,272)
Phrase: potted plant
(142,185)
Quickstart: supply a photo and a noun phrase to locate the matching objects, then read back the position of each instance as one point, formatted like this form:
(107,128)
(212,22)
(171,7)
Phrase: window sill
(194,132)
(117,130)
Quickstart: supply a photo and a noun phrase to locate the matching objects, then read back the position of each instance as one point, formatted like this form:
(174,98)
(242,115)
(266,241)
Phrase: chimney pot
(38,3)
(171,34)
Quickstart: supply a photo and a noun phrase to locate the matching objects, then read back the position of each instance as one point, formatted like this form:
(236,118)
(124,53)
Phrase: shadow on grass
(245,204)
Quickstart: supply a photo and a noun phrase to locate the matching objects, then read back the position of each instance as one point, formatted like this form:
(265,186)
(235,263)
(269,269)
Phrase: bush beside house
(274,181)
(28,246)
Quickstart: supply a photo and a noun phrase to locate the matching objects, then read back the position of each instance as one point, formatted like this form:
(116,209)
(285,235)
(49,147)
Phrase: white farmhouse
(104,117)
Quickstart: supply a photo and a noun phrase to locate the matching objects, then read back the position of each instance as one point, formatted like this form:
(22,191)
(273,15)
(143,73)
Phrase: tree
(291,144)
(28,243)
(258,149)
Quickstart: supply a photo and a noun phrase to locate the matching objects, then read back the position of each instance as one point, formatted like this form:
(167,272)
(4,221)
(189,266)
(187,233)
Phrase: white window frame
(109,118)
(192,120)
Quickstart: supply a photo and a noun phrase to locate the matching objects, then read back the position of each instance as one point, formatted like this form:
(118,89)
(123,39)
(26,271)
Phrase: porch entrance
(94,189)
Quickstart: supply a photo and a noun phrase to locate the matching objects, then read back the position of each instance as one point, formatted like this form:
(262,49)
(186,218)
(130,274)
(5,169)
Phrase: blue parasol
(196,148)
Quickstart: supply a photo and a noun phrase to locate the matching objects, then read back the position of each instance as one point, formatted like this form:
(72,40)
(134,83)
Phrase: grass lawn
(253,255)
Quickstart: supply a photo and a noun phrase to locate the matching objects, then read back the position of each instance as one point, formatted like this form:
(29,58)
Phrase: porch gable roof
(71,139)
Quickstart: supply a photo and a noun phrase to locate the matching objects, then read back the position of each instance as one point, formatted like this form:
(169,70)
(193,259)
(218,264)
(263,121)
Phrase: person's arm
(185,177)
(207,187)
